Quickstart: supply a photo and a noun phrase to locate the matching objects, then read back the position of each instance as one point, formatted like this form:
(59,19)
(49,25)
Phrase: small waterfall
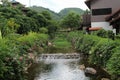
(63,69)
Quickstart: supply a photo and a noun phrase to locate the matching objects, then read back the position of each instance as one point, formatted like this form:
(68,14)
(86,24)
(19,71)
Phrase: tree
(52,28)
(27,24)
(72,21)
(47,15)
(8,26)
(5,2)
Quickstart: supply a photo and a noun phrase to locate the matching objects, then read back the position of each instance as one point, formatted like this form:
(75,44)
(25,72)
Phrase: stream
(62,69)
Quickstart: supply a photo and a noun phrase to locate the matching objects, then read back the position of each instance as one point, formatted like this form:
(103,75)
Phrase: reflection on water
(63,69)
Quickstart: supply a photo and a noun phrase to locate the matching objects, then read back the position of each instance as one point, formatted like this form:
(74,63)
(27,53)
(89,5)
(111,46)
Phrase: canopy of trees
(72,21)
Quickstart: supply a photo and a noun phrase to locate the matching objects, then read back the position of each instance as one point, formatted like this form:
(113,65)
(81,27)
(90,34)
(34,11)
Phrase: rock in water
(82,67)
(90,70)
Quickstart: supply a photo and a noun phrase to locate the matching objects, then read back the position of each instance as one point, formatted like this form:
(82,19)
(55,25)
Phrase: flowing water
(63,69)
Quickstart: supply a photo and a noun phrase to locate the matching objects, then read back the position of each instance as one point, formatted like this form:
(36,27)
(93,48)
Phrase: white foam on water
(62,70)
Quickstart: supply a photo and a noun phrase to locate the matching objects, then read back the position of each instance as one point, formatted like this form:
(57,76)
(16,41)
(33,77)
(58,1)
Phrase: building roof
(14,2)
(95,28)
(87,2)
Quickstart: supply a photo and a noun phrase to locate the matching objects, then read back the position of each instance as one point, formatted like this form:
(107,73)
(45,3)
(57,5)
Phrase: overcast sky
(55,5)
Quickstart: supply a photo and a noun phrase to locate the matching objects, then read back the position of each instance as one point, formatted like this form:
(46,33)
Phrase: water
(63,69)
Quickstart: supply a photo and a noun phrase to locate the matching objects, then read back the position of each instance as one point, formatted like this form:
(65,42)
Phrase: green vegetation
(15,54)
(72,21)
(66,11)
(60,44)
(103,52)
(41,9)
(24,34)
(61,14)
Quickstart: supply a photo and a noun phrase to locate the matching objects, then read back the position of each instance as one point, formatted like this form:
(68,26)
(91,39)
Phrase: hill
(52,13)
(61,14)
(66,11)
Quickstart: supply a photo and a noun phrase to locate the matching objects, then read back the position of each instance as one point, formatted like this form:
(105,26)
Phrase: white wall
(104,25)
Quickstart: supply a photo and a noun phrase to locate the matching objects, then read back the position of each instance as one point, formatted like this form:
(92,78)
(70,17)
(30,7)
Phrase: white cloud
(55,5)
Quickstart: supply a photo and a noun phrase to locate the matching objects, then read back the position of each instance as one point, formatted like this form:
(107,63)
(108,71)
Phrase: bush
(113,64)
(102,33)
(33,41)
(43,30)
(105,34)
(117,36)
(11,68)
(101,52)
(85,44)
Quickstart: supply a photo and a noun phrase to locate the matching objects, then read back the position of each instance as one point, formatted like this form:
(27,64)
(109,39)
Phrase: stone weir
(59,56)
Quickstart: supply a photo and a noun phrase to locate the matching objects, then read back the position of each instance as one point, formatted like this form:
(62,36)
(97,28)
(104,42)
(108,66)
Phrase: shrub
(85,44)
(113,64)
(33,41)
(11,68)
(102,33)
(117,36)
(101,52)
(43,30)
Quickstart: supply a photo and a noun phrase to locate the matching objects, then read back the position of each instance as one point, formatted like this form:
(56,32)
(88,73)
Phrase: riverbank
(95,52)
(99,52)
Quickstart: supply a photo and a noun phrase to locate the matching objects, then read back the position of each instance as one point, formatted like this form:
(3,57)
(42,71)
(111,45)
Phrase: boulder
(90,70)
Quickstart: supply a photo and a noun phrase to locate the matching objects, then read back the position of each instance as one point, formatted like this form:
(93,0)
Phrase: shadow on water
(36,69)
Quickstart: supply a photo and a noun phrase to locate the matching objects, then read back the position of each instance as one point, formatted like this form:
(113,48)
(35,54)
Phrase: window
(103,11)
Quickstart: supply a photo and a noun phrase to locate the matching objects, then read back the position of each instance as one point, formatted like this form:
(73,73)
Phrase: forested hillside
(59,15)
(66,11)
(41,9)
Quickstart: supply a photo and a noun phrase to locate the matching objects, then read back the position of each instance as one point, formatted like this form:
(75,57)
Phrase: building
(102,12)
(22,7)
(114,20)
(86,20)
(15,3)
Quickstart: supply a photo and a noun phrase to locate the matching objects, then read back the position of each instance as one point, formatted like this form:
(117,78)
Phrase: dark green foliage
(117,36)
(111,35)
(102,33)
(85,44)
(33,42)
(61,14)
(27,24)
(9,12)
(11,68)
(113,64)
(71,21)
(103,52)
(105,34)
(66,11)
(54,15)
(8,26)
(27,21)
(52,28)
(14,51)
(43,30)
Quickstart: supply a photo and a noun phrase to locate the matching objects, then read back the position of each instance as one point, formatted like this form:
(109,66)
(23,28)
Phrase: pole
(29,3)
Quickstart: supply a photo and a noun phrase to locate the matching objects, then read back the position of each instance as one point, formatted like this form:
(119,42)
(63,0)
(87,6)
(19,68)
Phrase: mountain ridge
(59,15)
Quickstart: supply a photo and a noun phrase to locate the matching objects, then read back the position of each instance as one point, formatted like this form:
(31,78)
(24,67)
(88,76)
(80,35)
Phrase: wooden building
(114,20)
(100,9)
